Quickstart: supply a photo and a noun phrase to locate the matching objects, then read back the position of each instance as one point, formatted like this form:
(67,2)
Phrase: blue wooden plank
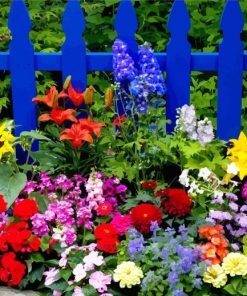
(73,49)
(178,61)
(21,64)
(126,25)
(230,72)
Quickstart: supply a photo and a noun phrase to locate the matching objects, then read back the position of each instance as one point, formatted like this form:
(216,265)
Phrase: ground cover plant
(110,204)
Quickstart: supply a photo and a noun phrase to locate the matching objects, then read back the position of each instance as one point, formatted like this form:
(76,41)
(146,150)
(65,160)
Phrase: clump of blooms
(6,138)
(215,249)
(122,223)
(128,274)
(175,202)
(238,154)
(201,130)
(142,216)
(107,238)
(25,208)
(215,275)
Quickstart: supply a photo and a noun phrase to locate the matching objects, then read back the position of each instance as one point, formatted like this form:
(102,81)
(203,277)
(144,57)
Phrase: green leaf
(34,135)
(65,274)
(89,291)
(111,2)
(61,285)
(36,274)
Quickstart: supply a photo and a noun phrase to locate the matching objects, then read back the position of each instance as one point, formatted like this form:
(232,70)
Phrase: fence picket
(73,49)
(230,74)
(21,60)
(178,61)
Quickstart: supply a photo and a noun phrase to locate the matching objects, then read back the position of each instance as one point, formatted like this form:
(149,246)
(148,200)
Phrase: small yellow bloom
(5,138)
(235,264)
(127,274)
(238,155)
(215,275)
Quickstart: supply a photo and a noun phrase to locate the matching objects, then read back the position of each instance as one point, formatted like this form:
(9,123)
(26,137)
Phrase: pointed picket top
(178,61)
(73,23)
(126,25)
(232,21)
(179,20)
(19,21)
(74,49)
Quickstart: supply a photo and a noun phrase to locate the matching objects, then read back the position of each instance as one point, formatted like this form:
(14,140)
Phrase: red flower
(76,135)
(119,120)
(142,216)
(3,204)
(91,126)
(151,185)
(160,193)
(35,244)
(76,97)
(51,99)
(104,209)
(105,230)
(25,209)
(59,115)
(108,245)
(176,202)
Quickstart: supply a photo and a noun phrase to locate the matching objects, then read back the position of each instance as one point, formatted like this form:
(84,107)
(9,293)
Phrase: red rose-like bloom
(3,204)
(104,209)
(25,209)
(108,245)
(142,216)
(105,230)
(151,185)
(176,202)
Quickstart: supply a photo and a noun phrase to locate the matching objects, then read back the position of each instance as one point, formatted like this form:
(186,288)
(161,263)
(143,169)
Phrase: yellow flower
(235,264)
(238,155)
(215,275)
(5,138)
(128,274)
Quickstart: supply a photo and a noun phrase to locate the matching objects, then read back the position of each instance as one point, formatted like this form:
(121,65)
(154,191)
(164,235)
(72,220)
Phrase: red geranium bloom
(119,120)
(149,185)
(91,126)
(59,115)
(142,216)
(3,204)
(105,230)
(35,244)
(76,97)
(108,245)
(176,202)
(25,209)
(51,99)
(18,225)
(76,135)
(104,209)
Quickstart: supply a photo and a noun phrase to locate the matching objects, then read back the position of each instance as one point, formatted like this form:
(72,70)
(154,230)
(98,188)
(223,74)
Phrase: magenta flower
(122,223)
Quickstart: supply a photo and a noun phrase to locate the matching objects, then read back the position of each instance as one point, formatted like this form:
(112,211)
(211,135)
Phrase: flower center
(1,144)
(107,231)
(145,215)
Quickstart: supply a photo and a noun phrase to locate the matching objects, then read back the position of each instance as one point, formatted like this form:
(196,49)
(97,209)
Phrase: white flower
(232,169)
(92,259)
(79,272)
(204,173)
(183,178)
(186,119)
(205,131)
(193,188)
(218,198)
(52,275)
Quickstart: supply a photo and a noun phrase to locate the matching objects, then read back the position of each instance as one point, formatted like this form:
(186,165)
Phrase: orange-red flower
(91,126)
(151,185)
(76,97)
(51,99)
(59,115)
(119,120)
(76,135)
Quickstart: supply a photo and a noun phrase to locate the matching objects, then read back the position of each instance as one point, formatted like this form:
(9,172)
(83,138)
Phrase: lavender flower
(136,246)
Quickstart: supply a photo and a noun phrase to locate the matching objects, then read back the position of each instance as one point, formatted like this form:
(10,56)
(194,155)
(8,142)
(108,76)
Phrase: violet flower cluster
(72,203)
(166,255)
(144,81)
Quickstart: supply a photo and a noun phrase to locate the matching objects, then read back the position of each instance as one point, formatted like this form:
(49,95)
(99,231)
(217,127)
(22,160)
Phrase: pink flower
(122,223)
(79,272)
(78,292)
(92,259)
(57,293)
(52,275)
(99,281)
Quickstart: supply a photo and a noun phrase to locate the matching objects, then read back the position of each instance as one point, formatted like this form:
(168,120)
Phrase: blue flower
(178,292)
(136,246)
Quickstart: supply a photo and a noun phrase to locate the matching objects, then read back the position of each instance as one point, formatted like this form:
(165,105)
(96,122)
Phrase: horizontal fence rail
(178,60)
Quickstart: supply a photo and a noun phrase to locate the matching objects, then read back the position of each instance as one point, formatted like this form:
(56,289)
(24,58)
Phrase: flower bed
(111,204)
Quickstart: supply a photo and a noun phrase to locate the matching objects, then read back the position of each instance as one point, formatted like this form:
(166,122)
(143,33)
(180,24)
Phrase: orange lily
(91,126)
(76,135)
(119,120)
(76,97)
(51,99)
(59,115)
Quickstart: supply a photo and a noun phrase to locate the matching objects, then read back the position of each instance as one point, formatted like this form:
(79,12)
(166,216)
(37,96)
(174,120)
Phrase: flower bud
(67,82)
(108,98)
(88,95)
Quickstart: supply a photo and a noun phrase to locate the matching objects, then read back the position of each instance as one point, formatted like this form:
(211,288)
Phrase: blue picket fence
(177,61)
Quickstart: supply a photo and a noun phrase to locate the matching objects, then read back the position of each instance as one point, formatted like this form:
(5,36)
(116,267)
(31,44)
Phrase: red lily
(59,115)
(51,99)
(91,126)
(119,120)
(76,97)
(76,135)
